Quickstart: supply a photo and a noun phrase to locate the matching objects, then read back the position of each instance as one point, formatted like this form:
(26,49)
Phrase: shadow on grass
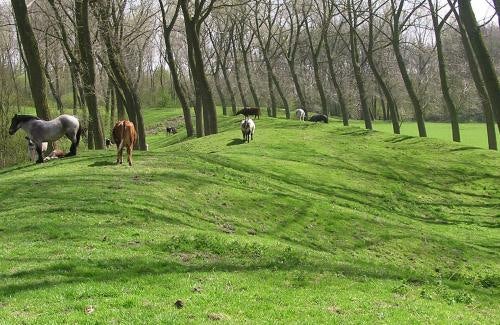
(102,163)
(235,142)
(465,148)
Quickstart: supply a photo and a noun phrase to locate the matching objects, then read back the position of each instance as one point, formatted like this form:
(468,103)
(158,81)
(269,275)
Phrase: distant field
(472,134)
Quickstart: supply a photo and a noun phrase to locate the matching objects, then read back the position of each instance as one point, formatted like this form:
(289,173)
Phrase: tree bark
(124,84)
(481,52)
(33,61)
(237,73)
(356,68)
(88,72)
(445,89)
(167,29)
(391,102)
(315,51)
(192,25)
(396,40)
(249,76)
(478,82)
(336,84)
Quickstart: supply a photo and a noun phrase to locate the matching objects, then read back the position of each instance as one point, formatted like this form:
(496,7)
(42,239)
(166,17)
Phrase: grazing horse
(319,118)
(124,135)
(247,129)
(40,131)
(247,111)
(301,114)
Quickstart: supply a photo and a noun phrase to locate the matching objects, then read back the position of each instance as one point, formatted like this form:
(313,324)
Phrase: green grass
(472,134)
(309,223)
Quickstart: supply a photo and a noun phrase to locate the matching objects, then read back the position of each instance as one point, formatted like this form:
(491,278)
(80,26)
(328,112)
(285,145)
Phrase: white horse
(247,129)
(40,131)
(301,114)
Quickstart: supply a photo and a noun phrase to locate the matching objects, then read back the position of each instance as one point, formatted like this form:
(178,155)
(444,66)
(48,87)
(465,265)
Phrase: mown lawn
(309,223)
(472,134)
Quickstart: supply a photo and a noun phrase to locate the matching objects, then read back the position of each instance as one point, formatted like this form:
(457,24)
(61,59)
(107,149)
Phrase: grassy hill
(309,223)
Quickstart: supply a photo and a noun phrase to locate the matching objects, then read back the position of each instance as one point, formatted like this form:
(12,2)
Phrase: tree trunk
(317,77)
(478,82)
(218,88)
(173,70)
(298,88)
(33,61)
(445,89)
(336,84)
(271,92)
(237,73)
(481,52)
(192,35)
(249,79)
(396,36)
(228,86)
(357,71)
(124,84)
(391,103)
(88,73)
(279,90)
(419,115)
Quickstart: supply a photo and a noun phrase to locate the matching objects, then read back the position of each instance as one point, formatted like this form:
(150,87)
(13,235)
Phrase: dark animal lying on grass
(171,130)
(247,129)
(247,111)
(319,118)
(124,135)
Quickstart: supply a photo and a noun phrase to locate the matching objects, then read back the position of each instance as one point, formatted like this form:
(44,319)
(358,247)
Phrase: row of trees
(389,59)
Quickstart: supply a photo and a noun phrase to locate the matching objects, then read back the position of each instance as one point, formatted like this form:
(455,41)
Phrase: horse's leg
(118,151)
(129,155)
(72,149)
(38,147)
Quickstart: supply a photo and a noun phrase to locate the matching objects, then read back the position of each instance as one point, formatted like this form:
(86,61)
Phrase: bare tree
(33,61)
(167,30)
(193,20)
(118,71)
(267,24)
(450,105)
(88,73)
(400,18)
(481,52)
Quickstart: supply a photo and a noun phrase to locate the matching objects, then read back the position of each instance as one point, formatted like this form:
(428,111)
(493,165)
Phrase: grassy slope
(316,223)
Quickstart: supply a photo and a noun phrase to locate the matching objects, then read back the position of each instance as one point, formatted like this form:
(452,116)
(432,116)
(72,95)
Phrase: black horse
(319,118)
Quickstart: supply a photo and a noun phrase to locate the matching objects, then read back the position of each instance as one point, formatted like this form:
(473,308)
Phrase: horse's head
(14,125)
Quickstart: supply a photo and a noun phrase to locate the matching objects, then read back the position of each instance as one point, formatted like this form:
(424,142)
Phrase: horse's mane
(26,118)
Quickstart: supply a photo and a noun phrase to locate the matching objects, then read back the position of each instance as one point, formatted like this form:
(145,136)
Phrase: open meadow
(308,223)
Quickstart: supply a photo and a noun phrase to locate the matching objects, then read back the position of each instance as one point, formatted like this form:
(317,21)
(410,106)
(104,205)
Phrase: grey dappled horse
(45,131)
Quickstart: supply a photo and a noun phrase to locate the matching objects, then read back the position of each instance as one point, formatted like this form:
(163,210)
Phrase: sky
(483,9)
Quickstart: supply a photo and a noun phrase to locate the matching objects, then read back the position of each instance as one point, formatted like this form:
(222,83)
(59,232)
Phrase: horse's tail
(78,134)
(122,131)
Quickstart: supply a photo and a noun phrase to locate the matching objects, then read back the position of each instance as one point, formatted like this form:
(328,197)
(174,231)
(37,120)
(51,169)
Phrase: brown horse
(124,135)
